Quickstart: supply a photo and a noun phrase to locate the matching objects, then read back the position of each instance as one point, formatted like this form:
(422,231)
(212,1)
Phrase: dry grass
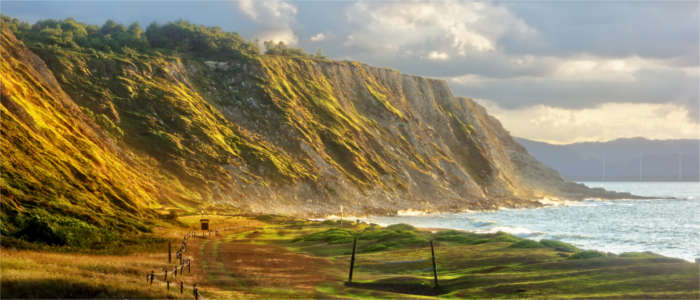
(45,274)
(33,274)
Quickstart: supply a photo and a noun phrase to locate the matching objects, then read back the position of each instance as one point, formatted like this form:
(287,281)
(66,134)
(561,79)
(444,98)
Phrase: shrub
(527,244)
(401,227)
(331,236)
(559,245)
(587,254)
(41,227)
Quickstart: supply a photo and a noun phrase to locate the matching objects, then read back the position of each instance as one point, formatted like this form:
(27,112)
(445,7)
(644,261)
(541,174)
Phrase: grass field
(283,257)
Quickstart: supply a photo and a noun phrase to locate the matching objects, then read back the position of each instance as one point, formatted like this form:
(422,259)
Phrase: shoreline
(435,221)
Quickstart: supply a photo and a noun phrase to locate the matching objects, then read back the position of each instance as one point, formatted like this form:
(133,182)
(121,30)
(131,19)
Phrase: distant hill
(629,159)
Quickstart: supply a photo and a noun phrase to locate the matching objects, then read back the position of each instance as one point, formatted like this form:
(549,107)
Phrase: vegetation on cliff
(184,117)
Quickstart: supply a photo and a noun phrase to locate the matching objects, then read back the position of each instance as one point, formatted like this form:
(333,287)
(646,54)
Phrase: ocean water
(670,227)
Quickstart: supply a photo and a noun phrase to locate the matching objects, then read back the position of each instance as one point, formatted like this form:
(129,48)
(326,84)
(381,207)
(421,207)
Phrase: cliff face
(160,130)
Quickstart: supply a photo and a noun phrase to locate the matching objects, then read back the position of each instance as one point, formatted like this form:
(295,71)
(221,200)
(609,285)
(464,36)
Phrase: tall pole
(170,253)
(352,259)
(432,251)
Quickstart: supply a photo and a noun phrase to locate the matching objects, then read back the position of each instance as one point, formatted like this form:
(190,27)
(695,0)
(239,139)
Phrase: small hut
(205,224)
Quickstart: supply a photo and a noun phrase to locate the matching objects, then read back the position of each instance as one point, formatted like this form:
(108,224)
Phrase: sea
(670,227)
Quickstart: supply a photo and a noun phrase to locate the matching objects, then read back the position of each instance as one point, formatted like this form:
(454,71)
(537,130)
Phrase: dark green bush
(527,244)
(41,227)
(559,245)
(587,254)
(401,227)
(331,236)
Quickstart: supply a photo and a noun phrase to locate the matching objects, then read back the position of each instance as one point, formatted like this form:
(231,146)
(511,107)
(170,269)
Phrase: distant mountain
(629,159)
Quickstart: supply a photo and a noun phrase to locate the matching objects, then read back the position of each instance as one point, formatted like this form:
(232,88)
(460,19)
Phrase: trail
(248,266)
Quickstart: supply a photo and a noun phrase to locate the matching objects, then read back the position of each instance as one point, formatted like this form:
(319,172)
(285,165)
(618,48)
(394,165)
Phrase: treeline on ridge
(180,36)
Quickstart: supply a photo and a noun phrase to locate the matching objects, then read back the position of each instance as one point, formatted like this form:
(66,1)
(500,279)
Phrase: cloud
(519,54)
(652,29)
(435,55)
(450,27)
(274,17)
(600,123)
(587,82)
(318,37)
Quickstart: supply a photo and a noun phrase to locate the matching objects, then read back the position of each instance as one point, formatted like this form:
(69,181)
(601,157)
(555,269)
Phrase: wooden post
(168,284)
(188,265)
(170,252)
(352,259)
(152,277)
(182,287)
(194,290)
(175,272)
(432,251)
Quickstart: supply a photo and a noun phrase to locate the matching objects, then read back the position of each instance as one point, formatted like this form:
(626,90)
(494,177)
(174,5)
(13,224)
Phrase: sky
(553,71)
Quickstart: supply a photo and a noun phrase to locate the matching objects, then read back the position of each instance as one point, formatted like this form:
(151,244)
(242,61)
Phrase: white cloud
(594,68)
(318,37)
(601,123)
(449,27)
(285,35)
(275,18)
(435,55)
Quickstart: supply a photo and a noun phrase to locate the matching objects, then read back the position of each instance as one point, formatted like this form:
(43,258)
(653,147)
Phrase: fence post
(170,252)
(152,277)
(432,252)
(165,277)
(194,290)
(352,259)
(188,265)
(182,287)
(168,284)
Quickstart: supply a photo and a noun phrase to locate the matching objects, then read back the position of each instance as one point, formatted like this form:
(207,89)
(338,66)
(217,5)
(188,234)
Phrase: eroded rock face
(299,135)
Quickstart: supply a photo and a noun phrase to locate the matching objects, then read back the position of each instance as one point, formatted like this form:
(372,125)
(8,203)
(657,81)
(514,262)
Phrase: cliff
(118,136)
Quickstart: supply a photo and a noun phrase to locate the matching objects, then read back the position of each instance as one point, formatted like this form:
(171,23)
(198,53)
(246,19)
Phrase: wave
(411,213)
(516,231)
(483,223)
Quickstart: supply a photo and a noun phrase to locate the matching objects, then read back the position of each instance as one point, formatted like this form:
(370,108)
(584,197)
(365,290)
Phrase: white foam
(517,231)
(411,213)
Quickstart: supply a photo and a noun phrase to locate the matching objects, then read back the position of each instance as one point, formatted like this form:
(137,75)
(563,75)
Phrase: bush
(41,227)
(401,227)
(527,244)
(587,254)
(331,236)
(559,245)
(210,42)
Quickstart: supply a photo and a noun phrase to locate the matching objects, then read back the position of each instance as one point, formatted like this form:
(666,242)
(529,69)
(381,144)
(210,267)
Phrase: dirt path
(248,267)
(272,266)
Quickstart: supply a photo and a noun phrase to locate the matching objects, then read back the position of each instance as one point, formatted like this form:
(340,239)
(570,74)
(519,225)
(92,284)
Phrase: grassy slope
(272,257)
(149,99)
(61,179)
(138,138)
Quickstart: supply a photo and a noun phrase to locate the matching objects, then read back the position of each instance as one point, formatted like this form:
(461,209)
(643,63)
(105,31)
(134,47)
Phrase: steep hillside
(120,131)
(62,178)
